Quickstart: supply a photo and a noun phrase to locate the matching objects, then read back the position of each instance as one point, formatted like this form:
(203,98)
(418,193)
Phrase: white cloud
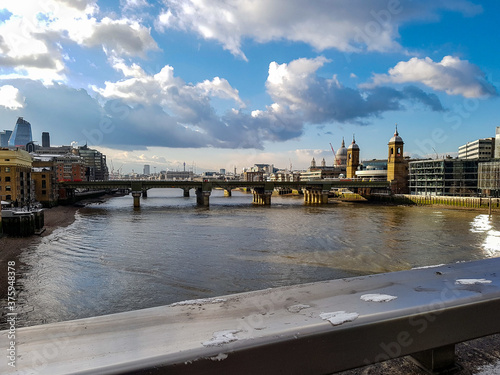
(33,38)
(452,75)
(10,98)
(175,96)
(346,25)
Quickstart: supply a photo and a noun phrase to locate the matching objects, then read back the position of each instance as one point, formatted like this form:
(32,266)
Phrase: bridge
(316,328)
(315,192)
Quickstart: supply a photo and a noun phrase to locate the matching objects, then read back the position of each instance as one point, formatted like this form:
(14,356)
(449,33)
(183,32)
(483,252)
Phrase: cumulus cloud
(32,37)
(346,25)
(10,98)
(452,75)
(298,87)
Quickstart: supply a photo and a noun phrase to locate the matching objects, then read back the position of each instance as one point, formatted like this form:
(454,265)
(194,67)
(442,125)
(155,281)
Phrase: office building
(45,139)
(21,134)
(4,138)
(457,177)
(147,170)
(489,178)
(96,168)
(481,149)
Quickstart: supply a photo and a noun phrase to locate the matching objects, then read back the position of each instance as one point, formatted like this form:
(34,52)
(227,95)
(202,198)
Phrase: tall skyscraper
(21,134)
(147,170)
(4,138)
(45,139)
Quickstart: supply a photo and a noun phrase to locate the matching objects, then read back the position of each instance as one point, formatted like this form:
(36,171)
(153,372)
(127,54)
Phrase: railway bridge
(315,192)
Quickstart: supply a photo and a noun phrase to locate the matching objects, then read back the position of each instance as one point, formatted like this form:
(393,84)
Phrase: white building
(481,149)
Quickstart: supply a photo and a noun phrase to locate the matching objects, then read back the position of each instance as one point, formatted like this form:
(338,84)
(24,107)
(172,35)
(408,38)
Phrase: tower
(352,159)
(397,167)
(21,134)
(45,139)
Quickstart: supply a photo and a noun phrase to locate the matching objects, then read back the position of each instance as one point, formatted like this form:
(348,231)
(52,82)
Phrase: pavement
(475,357)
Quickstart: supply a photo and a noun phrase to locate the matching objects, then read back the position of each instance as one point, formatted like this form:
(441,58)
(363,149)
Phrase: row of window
(6,169)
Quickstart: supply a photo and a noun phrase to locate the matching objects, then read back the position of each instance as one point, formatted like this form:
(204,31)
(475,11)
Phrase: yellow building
(15,177)
(352,159)
(44,180)
(397,165)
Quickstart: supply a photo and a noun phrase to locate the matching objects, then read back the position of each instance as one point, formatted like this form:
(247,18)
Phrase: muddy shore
(12,247)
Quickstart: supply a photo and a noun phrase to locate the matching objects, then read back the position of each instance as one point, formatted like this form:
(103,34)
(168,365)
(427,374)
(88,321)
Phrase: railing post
(437,361)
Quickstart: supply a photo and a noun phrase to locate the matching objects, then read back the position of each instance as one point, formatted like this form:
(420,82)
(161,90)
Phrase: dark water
(114,258)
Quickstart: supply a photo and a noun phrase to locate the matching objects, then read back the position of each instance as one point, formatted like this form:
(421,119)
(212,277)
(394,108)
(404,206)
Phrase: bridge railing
(316,328)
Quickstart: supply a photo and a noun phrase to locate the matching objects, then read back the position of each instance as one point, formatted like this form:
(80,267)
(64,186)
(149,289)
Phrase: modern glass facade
(4,138)
(455,177)
(489,178)
(21,134)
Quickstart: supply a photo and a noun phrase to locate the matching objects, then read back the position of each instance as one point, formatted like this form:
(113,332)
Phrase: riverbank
(12,247)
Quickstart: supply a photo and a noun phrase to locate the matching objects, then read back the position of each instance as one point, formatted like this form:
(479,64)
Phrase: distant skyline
(226,83)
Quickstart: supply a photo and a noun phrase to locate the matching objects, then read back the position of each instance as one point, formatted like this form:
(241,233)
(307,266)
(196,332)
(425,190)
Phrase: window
(44,184)
(43,176)
(7,179)
(7,188)
(8,197)
(7,169)
(44,192)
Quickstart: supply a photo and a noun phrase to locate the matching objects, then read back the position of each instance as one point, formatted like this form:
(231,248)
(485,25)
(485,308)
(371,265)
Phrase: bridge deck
(277,331)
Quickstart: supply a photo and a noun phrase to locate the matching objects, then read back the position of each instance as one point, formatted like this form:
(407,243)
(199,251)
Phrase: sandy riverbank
(12,247)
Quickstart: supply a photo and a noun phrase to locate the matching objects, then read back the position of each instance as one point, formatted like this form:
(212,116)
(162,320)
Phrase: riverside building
(15,177)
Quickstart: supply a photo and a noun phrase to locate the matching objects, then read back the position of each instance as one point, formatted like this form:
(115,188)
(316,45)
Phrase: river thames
(114,258)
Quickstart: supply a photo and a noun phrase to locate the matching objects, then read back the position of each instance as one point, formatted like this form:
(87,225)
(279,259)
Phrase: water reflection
(491,244)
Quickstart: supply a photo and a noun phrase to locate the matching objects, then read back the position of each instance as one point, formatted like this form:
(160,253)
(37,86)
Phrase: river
(114,258)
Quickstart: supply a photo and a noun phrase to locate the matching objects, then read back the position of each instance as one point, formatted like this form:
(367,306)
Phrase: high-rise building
(45,139)
(4,138)
(147,170)
(21,134)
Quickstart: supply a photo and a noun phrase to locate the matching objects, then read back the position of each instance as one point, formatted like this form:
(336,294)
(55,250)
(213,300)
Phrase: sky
(224,84)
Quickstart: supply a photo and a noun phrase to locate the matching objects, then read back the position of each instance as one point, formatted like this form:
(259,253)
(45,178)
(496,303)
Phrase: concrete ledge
(277,331)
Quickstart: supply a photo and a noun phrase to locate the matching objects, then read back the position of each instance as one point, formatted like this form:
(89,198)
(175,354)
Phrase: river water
(114,258)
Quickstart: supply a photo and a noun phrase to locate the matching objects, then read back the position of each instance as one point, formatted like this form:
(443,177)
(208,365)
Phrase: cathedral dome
(341,155)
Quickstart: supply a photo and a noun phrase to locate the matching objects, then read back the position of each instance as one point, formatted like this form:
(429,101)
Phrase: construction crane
(334,156)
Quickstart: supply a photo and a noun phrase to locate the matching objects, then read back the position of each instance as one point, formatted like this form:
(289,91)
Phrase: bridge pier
(145,193)
(227,192)
(315,196)
(262,197)
(186,192)
(203,197)
(137,198)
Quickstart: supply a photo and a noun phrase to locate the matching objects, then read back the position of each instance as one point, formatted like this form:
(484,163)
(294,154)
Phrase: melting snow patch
(339,317)
(472,281)
(201,301)
(377,297)
(221,337)
(219,357)
(297,308)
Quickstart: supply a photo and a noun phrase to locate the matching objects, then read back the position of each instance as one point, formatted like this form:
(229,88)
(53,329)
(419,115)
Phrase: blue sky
(226,83)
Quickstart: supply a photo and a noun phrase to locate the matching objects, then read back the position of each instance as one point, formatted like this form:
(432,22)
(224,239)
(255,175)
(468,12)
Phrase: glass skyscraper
(4,138)
(21,134)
